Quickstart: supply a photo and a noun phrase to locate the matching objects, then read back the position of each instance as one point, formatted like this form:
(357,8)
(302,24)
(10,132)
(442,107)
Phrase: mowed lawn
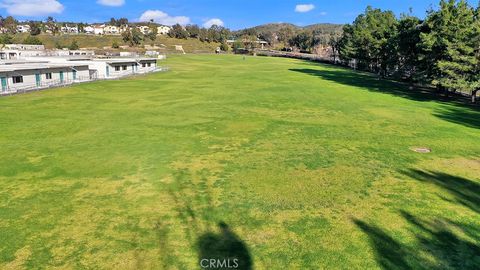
(281,163)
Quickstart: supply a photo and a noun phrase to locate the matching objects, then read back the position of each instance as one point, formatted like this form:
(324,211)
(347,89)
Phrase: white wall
(29,79)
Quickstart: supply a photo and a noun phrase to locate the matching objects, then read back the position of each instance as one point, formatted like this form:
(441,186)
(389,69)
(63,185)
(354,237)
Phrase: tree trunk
(474,96)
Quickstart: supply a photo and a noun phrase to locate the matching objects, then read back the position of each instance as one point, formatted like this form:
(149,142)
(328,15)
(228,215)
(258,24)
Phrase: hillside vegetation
(99,42)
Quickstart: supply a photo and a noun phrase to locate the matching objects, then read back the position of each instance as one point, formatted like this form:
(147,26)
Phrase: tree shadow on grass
(459,115)
(464,191)
(223,250)
(438,242)
(195,215)
(459,111)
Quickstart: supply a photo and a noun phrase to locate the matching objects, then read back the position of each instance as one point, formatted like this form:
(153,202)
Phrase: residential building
(23,28)
(89,29)
(163,30)
(111,30)
(144,29)
(69,29)
(99,29)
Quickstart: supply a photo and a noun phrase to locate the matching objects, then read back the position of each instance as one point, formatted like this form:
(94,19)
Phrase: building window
(144,64)
(17,79)
(124,67)
(48,76)
(149,64)
(117,68)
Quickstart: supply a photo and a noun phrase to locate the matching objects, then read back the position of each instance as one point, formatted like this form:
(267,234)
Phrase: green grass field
(281,163)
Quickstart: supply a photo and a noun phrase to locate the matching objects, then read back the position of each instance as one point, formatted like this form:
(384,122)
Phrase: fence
(24,88)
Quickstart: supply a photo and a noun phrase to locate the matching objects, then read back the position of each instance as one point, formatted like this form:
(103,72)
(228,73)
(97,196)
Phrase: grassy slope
(308,164)
(91,41)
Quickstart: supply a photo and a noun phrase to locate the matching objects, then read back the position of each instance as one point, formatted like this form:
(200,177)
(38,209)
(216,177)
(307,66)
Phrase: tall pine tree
(449,49)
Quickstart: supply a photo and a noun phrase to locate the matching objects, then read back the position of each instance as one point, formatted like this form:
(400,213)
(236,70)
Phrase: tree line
(442,50)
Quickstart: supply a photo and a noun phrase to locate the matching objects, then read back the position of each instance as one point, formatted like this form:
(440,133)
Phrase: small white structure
(20,77)
(163,30)
(23,28)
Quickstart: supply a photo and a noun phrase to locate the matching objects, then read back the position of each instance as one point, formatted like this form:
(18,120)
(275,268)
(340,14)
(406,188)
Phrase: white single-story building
(27,47)
(19,54)
(106,68)
(18,77)
(120,67)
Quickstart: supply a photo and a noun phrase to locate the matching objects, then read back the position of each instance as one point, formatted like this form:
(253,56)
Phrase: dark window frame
(17,79)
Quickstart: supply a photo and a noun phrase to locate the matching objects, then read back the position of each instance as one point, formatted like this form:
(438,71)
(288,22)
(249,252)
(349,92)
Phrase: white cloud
(304,8)
(31,8)
(111,3)
(211,22)
(323,13)
(163,18)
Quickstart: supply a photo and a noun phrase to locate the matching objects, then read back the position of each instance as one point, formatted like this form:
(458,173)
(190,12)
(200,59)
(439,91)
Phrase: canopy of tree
(443,50)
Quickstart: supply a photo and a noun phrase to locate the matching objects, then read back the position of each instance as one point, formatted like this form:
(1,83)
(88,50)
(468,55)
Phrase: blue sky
(233,14)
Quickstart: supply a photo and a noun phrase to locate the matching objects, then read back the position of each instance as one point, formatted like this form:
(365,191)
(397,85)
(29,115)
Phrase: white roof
(124,60)
(35,66)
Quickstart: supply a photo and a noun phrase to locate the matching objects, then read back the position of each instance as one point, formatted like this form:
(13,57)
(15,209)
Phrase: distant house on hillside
(69,29)
(111,30)
(89,29)
(98,29)
(23,28)
(163,30)
(144,29)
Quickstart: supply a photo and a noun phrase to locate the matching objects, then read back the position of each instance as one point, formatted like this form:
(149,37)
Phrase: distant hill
(326,27)
(272,32)
(276,27)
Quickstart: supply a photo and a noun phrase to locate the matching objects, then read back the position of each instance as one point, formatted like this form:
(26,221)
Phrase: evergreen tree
(407,40)
(451,47)
(369,40)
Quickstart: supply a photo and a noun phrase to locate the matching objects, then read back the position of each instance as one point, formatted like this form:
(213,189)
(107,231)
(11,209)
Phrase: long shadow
(461,112)
(437,245)
(388,252)
(469,118)
(223,250)
(464,191)
(193,207)
(438,242)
